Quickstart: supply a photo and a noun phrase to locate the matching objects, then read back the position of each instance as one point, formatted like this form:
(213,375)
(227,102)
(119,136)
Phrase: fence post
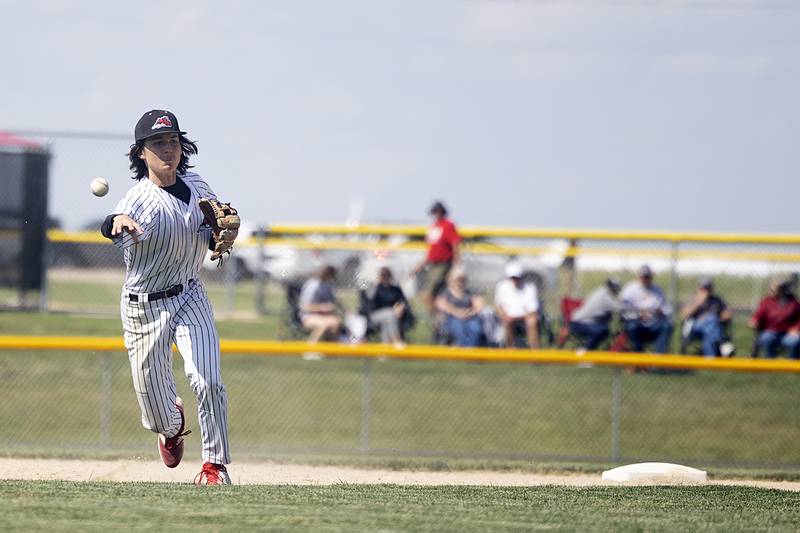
(47,254)
(673,282)
(230,283)
(106,387)
(616,408)
(366,401)
(261,272)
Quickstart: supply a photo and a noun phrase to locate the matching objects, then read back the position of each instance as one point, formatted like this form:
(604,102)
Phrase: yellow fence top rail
(57,235)
(486,232)
(424,352)
(546,233)
(495,248)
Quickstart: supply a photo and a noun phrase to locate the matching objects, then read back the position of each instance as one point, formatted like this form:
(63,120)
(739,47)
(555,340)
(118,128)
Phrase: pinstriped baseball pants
(149,329)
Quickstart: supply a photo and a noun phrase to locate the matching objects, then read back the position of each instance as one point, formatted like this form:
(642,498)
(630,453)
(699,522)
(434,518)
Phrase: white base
(655,473)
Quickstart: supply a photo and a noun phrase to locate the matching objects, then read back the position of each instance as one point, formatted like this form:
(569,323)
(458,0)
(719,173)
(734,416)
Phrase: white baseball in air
(99,187)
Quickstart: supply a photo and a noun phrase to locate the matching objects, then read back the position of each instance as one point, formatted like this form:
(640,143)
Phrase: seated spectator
(592,320)
(704,318)
(517,305)
(388,308)
(645,313)
(319,307)
(777,320)
(461,310)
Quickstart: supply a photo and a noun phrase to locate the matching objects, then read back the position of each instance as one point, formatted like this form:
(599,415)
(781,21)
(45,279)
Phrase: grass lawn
(49,506)
(22,323)
(86,307)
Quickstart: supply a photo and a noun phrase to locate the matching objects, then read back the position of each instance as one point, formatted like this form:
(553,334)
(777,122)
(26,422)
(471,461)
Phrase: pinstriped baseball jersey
(174,241)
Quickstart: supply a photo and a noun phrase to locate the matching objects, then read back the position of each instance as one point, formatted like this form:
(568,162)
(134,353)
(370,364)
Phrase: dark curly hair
(139,167)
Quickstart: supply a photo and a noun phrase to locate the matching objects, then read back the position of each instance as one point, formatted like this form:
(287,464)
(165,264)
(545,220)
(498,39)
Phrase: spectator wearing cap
(592,320)
(517,304)
(645,313)
(443,252)
(777,319)
(704,317)
(461,309)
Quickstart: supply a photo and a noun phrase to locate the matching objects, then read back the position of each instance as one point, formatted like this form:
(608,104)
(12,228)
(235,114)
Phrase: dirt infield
(292,474)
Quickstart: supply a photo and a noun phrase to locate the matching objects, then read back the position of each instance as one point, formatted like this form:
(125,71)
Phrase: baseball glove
(224,221)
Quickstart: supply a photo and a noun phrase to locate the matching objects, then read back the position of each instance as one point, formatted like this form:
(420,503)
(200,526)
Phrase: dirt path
(282,474)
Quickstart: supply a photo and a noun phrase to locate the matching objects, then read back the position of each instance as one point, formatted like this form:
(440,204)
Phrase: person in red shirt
(443,242)
(777,320)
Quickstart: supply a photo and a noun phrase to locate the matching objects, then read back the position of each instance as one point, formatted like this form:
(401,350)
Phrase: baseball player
(164,236)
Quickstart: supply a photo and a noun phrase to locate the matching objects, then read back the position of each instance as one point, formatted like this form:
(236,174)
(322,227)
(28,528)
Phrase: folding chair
(568,306)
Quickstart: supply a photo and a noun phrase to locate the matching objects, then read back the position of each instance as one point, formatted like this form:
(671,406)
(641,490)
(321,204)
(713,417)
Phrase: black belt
(152,296)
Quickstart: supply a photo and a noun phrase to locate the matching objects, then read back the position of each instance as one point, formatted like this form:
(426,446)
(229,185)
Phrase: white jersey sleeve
(140,207)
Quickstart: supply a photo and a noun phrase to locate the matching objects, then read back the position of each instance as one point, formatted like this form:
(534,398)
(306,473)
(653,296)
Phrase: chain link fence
(82,403)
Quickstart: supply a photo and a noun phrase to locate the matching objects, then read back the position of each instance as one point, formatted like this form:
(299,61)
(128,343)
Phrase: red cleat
(171,448)
(212,474)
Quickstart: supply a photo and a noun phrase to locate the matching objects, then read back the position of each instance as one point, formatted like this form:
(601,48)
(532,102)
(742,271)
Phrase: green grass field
(49,506)
(96,301)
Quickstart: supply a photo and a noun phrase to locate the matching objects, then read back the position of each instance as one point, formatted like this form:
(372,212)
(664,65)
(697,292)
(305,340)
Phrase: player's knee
(203,386)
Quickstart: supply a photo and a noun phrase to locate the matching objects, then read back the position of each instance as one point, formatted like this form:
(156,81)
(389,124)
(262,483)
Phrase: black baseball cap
(613,284)
(156,122)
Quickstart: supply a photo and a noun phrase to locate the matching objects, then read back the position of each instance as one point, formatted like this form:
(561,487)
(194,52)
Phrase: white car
(286,263)
(483,270)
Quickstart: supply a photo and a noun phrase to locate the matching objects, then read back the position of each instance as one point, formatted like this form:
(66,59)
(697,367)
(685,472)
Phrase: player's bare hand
(126,223)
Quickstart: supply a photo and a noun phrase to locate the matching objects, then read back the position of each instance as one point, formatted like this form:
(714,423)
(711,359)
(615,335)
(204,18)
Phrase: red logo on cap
(162,122)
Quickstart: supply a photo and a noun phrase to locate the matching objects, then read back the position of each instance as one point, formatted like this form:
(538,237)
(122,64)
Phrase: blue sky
(605,114)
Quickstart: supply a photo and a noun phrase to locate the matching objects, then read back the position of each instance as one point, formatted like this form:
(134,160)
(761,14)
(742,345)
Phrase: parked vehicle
(286,263)
(484,270)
